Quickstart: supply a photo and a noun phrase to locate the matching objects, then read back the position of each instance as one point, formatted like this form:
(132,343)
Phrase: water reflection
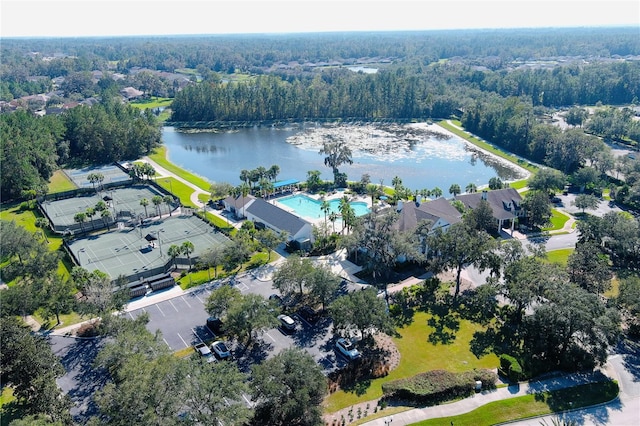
(420,161)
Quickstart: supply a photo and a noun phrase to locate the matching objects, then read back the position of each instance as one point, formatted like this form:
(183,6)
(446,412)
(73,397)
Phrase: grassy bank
(486,146)
(60,182)
(160,156)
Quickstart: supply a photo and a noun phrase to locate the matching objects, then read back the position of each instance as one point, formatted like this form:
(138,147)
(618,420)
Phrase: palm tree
(106,215)
(80,218)
(471,188)
(144,203)
(157,200)
(454,189)
(187,248)
(244,190)
(346,211)
(265,187)
(436,192)
(374,191)
(333,216)
(173,252)
(168,200)
(244,176)
(273,172)
(326,208)
(95,178)
(90,212)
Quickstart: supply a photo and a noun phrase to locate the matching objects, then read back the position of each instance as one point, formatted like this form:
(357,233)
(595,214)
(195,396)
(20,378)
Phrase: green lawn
(204,198)
(419,355)
(558,219)
(197,278)
(178,189)
(160,156)
(154,102)
(519,184)
(59,182)
(523,407)
(559,256)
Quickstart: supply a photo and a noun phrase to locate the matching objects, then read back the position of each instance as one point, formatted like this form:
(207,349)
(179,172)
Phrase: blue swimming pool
(308,207)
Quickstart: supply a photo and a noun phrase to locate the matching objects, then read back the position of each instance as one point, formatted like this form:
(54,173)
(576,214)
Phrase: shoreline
(526,173)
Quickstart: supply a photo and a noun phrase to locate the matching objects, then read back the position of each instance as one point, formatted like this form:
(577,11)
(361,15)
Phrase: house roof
(413,213)
(131,92)
(275,216)
(505,203)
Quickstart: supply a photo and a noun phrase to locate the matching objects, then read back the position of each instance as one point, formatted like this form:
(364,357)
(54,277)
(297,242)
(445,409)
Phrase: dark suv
(215,325)
(309,314)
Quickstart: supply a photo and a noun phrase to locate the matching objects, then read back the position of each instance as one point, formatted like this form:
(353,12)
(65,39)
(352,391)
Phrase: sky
(80,18)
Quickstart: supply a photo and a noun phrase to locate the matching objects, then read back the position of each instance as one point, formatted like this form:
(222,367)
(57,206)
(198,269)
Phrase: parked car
(220,349)
(308,314)
(347,348)
(215,325)
(286,322)
(204,351)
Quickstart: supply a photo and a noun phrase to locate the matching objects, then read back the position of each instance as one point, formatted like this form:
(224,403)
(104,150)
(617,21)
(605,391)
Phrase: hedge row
(437,386)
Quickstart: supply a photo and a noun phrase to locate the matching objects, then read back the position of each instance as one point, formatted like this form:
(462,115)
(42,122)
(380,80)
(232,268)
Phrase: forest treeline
(405,92)
(34,147)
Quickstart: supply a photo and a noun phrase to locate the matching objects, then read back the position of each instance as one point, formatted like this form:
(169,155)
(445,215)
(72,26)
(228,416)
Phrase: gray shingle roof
(505,203)
(276,217)
(412,213)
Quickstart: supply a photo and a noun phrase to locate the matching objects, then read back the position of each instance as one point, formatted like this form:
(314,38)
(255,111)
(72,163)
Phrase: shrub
(437,386)
(510,368)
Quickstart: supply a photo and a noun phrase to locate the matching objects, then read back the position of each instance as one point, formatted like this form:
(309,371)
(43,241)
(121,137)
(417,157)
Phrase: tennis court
(122,202)
(141,251)
(111,173)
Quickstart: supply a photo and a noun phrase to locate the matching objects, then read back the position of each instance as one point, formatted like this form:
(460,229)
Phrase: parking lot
(182,322)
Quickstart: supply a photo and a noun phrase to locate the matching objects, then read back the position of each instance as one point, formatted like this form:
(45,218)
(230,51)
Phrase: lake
(421,155)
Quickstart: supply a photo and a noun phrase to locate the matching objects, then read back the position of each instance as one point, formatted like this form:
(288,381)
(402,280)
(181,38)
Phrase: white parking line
(185,343)
(185,301)
(158,306)
(167,343)
(247,399)
(198,297)
(174,306)
(267,333)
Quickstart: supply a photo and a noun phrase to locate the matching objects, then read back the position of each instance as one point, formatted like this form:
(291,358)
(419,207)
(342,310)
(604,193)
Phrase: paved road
(623,411)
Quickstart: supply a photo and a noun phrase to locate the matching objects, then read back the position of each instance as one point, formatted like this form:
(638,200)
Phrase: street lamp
(170,184)
(160,240)
(388,421)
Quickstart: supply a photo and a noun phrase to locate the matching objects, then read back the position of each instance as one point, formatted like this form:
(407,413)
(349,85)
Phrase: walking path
(469,404)
(162,172)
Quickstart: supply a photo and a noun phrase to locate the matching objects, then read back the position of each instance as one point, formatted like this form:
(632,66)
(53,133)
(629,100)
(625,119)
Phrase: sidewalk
(478,400)
(263,273)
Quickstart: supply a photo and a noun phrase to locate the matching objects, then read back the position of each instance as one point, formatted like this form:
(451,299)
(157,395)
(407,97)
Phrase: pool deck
(333,195)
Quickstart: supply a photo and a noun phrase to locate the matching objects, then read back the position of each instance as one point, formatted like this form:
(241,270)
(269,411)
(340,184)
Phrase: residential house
(506,205)
(130,93)
(439,213)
